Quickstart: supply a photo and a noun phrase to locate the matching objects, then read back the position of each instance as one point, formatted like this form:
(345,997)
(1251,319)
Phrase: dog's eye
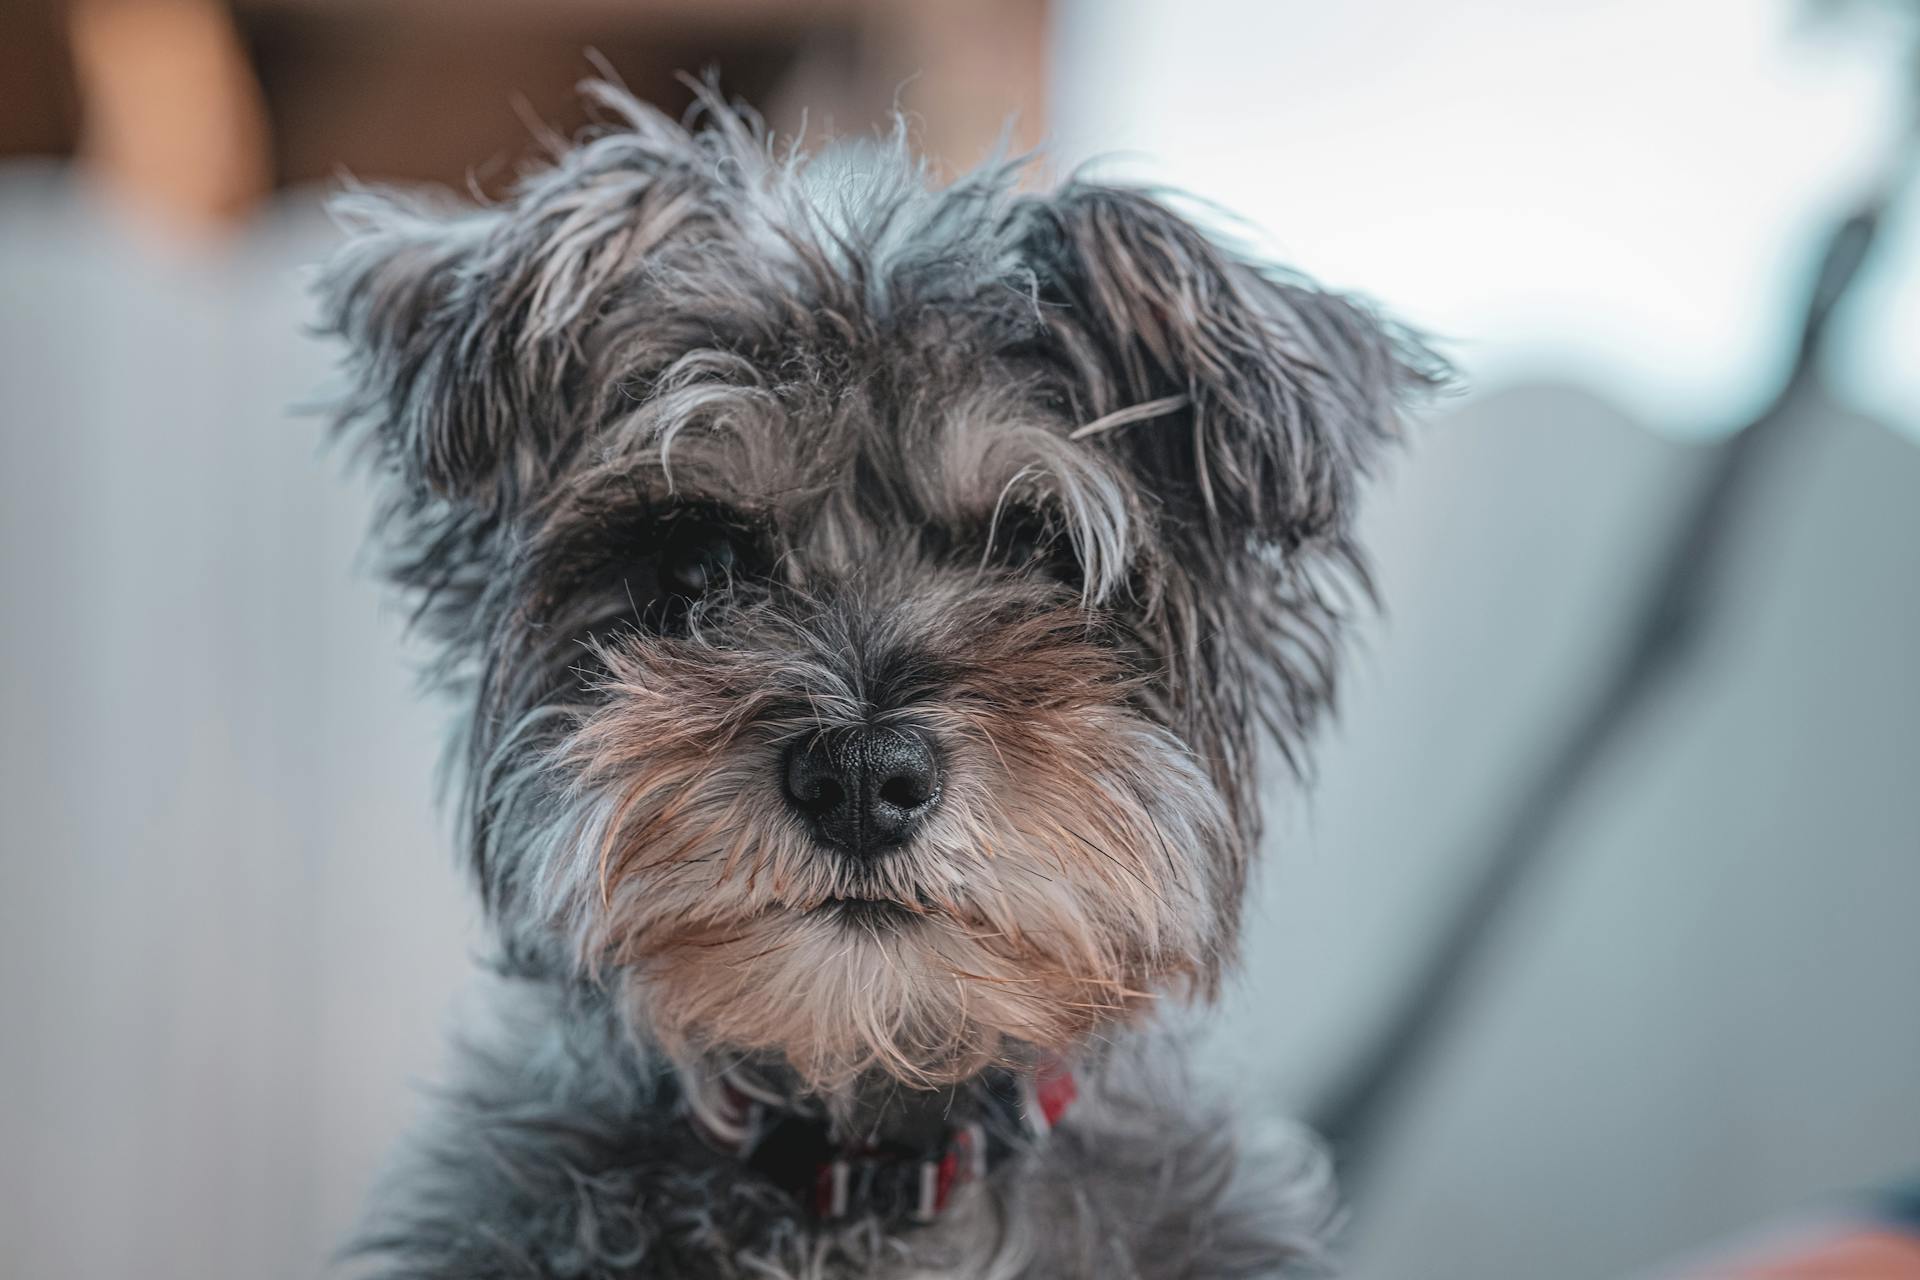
(1026,539)
(696,557)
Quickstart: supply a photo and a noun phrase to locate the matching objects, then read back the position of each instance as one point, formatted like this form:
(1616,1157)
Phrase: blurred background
(1597,939)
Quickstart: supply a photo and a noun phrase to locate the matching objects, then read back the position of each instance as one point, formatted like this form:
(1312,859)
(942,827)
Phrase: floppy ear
(403,293)
(1251,404)
(468,330)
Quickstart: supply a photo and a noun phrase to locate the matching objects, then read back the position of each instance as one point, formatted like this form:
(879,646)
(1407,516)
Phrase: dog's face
(869,597)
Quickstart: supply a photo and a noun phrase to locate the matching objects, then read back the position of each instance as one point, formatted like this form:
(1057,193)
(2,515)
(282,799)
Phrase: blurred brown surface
(39,108)
(196,108)
(174,117)
(1854,1255)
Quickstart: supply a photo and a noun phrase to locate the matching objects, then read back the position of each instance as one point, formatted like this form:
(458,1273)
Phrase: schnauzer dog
(867,600)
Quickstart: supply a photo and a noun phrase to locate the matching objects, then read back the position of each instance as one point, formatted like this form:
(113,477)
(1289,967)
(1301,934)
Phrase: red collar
(834,1178)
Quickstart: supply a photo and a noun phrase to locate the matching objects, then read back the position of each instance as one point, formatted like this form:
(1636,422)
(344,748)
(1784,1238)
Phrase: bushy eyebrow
(987,471)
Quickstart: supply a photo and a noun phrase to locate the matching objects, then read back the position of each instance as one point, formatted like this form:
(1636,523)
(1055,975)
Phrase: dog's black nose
(864,790)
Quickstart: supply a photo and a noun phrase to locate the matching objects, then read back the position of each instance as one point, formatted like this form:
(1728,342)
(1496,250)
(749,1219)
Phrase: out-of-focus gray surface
(1708,1007)
(228,919)
(229,930)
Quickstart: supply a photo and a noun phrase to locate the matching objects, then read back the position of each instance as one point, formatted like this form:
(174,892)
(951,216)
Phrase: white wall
(229,923)
(1619,191)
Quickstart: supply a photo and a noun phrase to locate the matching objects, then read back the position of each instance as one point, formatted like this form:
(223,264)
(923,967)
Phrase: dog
(867,600)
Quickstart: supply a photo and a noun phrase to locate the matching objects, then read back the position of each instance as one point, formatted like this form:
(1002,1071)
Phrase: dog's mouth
(872,914)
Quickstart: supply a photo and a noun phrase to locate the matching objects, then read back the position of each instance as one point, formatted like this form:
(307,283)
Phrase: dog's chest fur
(562,1151)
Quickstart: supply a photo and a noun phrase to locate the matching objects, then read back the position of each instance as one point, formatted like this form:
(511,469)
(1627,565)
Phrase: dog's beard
(1067,878)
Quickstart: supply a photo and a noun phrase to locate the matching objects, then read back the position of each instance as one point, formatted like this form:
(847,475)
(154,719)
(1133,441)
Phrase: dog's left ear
(1249,403)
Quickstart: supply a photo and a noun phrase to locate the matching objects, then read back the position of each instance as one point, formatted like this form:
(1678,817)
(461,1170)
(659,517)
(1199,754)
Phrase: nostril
(815,781)
(821,794)
(906,790)
(904,777)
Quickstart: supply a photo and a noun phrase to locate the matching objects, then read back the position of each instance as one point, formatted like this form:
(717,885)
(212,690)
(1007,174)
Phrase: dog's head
(870,597)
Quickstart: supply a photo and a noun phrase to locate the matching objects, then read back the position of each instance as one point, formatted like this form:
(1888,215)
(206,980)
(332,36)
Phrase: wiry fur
(870,381)
(545,1160)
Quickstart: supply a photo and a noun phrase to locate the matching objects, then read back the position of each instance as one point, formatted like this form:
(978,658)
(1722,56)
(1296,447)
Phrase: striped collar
(835,1175)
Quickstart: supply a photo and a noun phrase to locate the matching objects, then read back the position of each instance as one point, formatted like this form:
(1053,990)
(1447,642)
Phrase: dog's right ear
(469,329)
(405,294)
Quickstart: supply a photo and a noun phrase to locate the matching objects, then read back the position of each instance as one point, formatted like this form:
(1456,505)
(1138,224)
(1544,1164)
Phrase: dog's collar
(891,1180)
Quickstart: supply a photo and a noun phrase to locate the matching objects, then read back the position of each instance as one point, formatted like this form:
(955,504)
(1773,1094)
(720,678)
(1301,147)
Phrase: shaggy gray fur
(558,1155)
(866,382)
